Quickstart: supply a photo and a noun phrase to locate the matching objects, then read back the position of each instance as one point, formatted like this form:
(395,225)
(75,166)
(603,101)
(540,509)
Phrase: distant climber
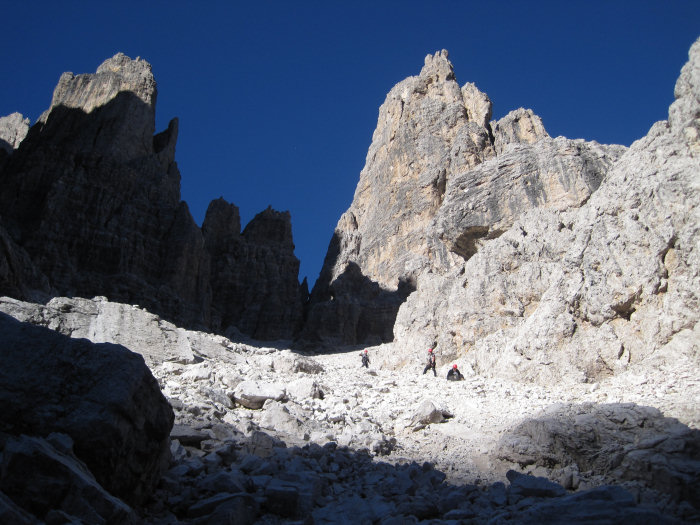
(431,363)
(454,374)
(365,359)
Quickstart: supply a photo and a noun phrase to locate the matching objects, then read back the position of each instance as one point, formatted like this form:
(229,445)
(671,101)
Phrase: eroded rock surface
(267,434)
(580,293)
(438,180)
(90,206)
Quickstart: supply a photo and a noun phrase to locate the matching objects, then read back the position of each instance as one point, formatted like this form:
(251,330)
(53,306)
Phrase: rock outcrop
(13,129)
(617,441)
(580,293)
(101,396)
(438,178)
(90,206)
(254,273)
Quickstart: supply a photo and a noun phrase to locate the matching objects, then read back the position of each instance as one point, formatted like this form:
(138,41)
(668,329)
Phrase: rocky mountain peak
(437,182)
(111,111)
(90,205)
(438,67)
(13,129)
(520,126)
(478,105)
(115,75)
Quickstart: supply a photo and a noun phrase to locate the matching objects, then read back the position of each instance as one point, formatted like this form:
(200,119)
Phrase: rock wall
(92,198)
(254,273)
(579,293)
(438,178)
(13,129)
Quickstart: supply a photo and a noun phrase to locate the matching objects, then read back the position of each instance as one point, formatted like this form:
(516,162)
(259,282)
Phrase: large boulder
(101,395)
(618,442)
(44,477)
(253,394)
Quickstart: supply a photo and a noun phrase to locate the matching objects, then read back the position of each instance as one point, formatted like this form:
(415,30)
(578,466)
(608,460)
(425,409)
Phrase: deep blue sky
(277,100)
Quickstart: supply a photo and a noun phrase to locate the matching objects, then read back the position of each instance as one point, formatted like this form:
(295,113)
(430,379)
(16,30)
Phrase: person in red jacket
(365,359)
(454,374)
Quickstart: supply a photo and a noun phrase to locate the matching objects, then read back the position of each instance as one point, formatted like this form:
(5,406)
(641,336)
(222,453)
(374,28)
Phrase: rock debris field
(268,435)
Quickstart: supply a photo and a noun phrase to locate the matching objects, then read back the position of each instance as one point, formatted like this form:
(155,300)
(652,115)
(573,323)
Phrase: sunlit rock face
(583,288)
(439,177)
(13,129)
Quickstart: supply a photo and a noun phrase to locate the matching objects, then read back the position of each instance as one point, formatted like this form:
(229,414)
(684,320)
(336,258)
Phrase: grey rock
(41,479)
(518,126)
(188,436)
(253,394)
(478,105)
(423,135)
(13,129)
(91,207)
(578,294)
(10,512)
(524,486)
(241,509)
(557,174)
(19,276)
(428,412)
(606,504)
(110,220)
(282,498)
(622,441)
(208,505)
(254,273)
(278,417)
(101,395)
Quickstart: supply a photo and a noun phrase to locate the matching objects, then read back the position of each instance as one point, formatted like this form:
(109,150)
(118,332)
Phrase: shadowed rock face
(90,206)
(254,273)
(621,441)
(101,395)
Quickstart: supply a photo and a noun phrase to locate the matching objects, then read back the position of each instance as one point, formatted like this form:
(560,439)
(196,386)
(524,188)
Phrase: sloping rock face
(580,294)
(439,177)
(100,395)
(90,206)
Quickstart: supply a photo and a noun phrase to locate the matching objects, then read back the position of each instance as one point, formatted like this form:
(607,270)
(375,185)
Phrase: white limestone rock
(13,129)
(253,394)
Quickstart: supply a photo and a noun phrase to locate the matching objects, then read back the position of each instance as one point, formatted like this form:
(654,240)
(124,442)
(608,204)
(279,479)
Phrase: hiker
(454,374)
(431,363)
(365,359)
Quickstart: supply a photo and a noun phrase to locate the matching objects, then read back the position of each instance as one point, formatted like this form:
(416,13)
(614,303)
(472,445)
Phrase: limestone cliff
(576,293)
(438,178)
(90,206)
